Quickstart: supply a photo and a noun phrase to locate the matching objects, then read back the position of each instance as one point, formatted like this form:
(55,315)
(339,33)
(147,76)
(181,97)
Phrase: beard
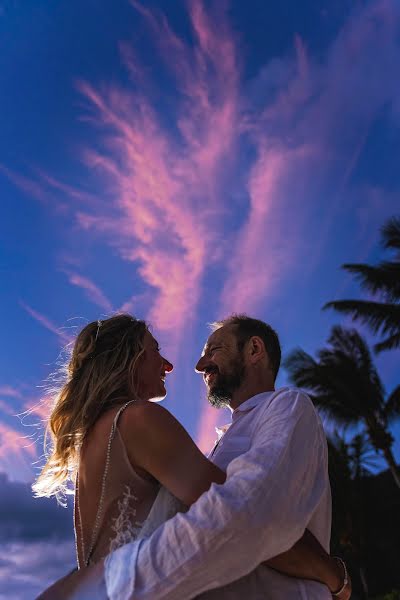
(220,394)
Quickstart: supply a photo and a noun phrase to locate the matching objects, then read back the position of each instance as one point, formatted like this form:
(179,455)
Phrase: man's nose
(168,366)
(202,363)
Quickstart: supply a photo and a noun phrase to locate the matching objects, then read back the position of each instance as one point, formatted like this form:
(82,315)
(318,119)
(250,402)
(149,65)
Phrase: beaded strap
(96,527)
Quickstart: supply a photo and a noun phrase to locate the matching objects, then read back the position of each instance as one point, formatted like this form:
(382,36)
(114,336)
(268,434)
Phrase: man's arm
(261,511)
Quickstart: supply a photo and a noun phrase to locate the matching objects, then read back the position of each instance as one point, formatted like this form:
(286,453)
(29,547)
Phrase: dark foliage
(383,282)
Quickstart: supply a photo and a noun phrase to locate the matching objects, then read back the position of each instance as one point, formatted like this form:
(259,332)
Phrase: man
(277,485)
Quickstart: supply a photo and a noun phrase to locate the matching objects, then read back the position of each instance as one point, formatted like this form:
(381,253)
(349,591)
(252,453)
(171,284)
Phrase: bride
(133,465)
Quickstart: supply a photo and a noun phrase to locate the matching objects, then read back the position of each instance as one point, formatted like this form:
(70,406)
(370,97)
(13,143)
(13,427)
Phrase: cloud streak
(92,291)
(165,182)
(17,452)
(308,122)
(46,322)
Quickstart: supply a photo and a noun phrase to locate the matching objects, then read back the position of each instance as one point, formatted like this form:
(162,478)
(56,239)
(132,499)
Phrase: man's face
(222,366)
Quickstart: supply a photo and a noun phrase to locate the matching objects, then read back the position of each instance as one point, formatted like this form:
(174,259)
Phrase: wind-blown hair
(247,327)
(101,372)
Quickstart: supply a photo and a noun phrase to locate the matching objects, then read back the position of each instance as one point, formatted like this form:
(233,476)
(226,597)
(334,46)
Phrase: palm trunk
(392,465)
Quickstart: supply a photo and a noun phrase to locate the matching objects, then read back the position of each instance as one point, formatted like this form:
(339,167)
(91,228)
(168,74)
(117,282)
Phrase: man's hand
(84,584)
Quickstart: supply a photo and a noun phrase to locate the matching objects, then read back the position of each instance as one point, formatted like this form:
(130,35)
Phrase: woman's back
(128,493)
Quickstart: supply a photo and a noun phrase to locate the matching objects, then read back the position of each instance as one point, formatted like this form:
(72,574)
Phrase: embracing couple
(154,518)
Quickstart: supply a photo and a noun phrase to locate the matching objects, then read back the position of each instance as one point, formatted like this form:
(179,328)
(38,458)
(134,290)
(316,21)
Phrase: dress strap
(96,528)
(117,416)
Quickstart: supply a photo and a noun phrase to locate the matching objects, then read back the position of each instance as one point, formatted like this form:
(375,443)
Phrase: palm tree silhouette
(345,386)
(383,281)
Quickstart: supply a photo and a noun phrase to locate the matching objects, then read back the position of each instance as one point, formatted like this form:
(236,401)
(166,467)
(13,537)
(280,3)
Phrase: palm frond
(362,455)
(343,382)
(339,388)
(378,315)
(390,343)
(392,405)
(383,278)
(391,233)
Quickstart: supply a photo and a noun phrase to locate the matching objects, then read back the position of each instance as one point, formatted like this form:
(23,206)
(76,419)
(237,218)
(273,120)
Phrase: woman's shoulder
(141,416)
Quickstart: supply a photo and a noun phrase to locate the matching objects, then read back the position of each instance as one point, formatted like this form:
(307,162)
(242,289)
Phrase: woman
(134,465)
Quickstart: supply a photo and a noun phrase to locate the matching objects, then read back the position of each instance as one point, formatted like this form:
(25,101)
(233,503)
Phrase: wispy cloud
(28,185)
(308,123)
(17,451)
(10,392)
(46,322)
(92,291)
(311,123)
(166,185)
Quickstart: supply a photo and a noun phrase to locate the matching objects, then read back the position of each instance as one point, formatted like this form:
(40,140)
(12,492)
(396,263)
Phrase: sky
(180,161)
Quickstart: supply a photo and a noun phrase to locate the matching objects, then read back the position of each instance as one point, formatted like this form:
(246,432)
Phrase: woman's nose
(168,366)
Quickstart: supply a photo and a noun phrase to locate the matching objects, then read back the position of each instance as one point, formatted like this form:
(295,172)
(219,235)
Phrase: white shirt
(277,485)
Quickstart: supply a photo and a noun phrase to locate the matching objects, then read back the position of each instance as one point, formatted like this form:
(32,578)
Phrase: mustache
(209,370)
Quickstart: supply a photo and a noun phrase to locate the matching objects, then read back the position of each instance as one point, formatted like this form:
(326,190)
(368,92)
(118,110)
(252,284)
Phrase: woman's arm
(157,443)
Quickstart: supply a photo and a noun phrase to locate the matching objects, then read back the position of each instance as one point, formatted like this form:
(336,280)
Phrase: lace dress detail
(125,527)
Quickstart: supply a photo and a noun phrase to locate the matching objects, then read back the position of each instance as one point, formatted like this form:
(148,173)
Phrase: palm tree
(344,384)
(383,281)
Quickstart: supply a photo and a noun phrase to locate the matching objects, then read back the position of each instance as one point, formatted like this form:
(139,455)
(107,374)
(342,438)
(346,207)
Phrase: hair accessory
(99,324)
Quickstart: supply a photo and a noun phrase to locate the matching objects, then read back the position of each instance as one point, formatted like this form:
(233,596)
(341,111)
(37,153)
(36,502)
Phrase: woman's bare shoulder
(142,415)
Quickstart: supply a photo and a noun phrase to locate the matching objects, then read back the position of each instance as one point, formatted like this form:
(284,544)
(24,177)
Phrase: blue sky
(181,160)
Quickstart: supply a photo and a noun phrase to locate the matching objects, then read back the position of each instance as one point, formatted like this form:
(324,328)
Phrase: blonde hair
(101,373)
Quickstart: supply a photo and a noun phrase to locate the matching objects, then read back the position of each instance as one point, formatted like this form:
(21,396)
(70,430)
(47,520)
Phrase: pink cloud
(46,322)
(17,453)
(304,100)
(166,191)
(206,435)
(27,185)
(308,126)
(6,408)
(93,292)
(10,392)
(72,192)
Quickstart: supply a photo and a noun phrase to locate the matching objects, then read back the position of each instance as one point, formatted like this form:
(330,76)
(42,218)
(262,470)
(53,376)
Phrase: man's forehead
(222,334)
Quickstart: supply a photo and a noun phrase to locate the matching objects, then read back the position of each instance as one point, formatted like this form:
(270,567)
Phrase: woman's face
(152,369)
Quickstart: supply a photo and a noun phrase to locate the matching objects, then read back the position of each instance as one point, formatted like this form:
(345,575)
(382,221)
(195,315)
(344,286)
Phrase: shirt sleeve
(261,510)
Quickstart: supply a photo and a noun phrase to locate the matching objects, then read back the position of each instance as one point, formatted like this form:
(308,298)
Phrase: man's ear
(256,349)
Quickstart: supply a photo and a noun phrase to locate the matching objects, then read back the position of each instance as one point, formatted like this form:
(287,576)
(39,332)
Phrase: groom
(277,485)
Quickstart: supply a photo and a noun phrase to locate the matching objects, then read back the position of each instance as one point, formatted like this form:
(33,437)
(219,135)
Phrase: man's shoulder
(289,396)
(288,409)
(289,400)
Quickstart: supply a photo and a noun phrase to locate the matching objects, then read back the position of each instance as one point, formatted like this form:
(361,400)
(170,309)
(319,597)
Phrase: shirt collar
(252,402)
(246,406)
